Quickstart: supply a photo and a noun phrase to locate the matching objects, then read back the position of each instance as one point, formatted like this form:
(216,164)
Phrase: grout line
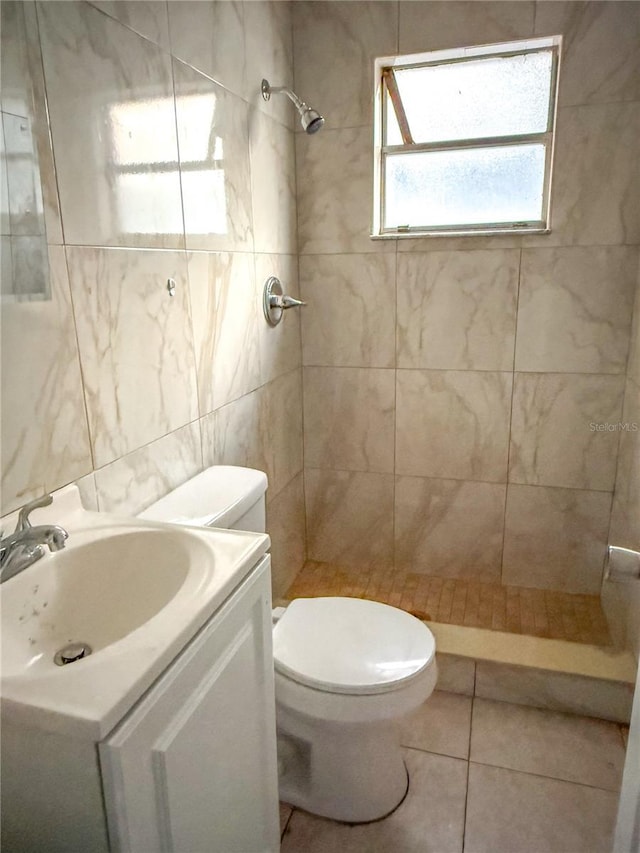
(395,408)
(90,431)
(513,386)
(470,761)
(542,776)
(460,480)
(466,793)
(620,729)
(283,832)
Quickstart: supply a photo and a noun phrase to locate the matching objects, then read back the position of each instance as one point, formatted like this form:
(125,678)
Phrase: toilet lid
(347,645)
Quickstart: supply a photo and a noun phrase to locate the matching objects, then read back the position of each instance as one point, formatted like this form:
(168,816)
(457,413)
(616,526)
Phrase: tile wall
(622,600)
(169,165)
(450,384)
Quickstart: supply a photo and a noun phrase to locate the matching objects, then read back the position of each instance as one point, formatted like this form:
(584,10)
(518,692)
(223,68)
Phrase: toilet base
(350,772)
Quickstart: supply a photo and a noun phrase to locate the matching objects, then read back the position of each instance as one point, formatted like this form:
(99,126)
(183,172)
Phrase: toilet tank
(222,496)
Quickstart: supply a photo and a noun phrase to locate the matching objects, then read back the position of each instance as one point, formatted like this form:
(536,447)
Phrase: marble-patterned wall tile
(281,430)
(148,18)
(225,331)
(136,346)
(286,527)
(215,173)
(233,435)
(449,528)
(625,515)
(334,171)
(563,429)
(555,691)
(192,25)
(5,212)
(262,429)
(208,438)
(88,492)
(574,309)
(342,38)
(110,98)
(6,267)
(595,197)
(457,310)
(44,432)
(608,31)
(458,23)
(349,418)
(280,346)
(23,93)
(29,268)
(555,538)
(453,424)
(25,205)
(133,482)
(273,184)
(350,518)
(467,243)
(350,318)
(269,49)
(633,362)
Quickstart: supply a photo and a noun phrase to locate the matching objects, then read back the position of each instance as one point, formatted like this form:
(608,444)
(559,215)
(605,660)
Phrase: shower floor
(474,604)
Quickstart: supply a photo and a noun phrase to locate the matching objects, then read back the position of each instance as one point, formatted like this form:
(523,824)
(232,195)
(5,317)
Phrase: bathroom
(430,421)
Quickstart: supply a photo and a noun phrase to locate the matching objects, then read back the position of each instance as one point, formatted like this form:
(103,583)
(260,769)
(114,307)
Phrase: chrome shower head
(310,119)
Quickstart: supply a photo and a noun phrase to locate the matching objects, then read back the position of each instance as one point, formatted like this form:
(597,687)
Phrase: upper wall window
(464,140)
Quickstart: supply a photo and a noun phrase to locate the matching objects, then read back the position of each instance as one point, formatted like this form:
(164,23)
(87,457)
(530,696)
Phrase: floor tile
(511,812)
(285,814)
(430,820)
(442,724)
(548,743)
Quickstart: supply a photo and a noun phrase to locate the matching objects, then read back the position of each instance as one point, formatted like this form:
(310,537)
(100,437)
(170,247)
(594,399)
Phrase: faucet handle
(27,509)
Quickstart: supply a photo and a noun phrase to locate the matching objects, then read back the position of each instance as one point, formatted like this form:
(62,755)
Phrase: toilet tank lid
(217,497)
(350,645)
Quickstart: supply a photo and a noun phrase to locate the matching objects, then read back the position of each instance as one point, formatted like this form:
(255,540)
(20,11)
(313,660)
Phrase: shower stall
(472,404)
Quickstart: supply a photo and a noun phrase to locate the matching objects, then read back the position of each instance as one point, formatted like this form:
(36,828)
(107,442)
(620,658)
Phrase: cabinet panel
(193,768)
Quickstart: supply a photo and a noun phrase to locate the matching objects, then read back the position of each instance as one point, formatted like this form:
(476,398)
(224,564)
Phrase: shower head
(310,119)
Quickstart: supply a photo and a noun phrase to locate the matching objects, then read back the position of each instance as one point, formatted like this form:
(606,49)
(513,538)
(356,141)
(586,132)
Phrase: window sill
(492,232)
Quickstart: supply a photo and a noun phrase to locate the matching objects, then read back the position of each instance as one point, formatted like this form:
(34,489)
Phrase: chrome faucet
(26,544)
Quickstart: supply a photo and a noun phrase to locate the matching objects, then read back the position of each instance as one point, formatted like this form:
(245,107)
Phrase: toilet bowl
(346,670)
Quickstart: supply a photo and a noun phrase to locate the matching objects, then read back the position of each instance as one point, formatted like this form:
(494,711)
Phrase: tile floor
(488,777)
(541,613)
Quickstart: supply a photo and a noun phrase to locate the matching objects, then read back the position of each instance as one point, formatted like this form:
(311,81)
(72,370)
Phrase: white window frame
(440,57)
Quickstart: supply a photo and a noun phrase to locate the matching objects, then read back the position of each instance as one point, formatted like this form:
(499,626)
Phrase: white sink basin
(135,591)
(96,591)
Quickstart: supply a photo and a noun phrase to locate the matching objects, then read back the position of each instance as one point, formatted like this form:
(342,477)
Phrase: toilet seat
(351,646)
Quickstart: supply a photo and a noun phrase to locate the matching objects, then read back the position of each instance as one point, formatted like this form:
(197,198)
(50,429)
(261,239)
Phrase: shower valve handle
(275,301)
(285,301)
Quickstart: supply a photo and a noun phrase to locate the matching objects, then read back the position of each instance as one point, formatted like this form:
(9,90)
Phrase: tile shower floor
(541,613)
(488,777)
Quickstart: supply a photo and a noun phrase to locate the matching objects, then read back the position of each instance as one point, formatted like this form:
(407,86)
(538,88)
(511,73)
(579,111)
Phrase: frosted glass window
(495,96)
(468,186)
(464,139)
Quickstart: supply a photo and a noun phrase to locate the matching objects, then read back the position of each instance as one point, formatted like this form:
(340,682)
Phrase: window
(464,140)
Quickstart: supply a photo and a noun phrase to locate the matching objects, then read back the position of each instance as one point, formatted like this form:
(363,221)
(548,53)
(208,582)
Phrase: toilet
(346,670)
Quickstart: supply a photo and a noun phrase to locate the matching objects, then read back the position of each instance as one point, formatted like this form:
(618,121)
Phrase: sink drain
(72,653)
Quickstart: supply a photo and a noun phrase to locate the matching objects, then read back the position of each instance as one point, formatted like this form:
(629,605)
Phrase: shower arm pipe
(284,90)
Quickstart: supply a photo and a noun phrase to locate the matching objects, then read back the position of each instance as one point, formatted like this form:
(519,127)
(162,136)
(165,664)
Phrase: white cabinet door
(193,768)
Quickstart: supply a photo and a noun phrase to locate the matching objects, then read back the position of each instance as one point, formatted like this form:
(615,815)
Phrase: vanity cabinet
(193,767)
